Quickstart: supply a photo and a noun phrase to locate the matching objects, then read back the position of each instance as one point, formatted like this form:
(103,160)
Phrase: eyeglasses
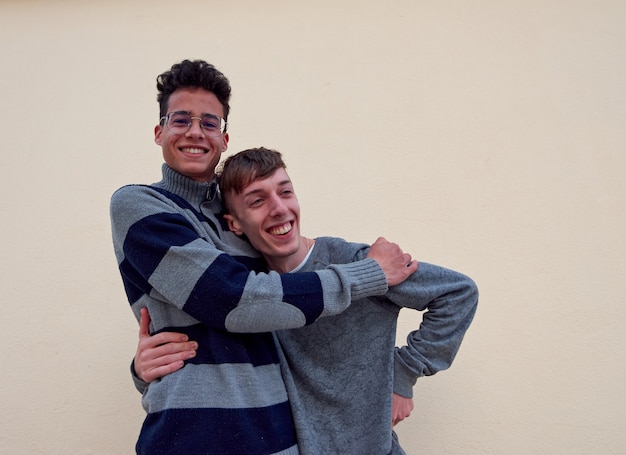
(180,122)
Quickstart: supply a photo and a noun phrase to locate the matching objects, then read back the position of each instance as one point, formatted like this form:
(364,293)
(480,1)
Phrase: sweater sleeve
(164,253)
(140,384)
(449,300)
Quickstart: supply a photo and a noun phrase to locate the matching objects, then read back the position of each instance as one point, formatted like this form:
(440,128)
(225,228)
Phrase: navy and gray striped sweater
(178,259)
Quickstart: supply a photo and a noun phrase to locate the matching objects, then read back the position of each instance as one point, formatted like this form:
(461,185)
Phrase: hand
(401,408)
(398,266)
(162,353)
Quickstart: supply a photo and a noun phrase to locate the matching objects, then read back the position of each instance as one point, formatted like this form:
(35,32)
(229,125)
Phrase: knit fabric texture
(177,258)
(341,372)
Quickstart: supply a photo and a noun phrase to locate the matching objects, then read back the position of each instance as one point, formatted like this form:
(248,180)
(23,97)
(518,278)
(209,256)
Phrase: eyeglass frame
(223,123)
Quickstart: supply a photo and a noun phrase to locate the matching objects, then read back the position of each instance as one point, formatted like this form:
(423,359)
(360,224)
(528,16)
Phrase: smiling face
(193,154)
(268,213)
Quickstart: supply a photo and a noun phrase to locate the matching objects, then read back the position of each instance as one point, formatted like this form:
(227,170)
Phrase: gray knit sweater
(341,371)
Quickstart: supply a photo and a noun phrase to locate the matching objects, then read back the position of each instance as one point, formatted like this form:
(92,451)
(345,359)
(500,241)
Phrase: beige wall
(486,136)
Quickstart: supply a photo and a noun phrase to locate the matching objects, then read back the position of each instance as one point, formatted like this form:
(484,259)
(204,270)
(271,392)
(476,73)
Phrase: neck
(285,264)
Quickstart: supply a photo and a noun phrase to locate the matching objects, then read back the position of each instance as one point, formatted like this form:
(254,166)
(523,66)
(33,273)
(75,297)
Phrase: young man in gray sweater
(347,382)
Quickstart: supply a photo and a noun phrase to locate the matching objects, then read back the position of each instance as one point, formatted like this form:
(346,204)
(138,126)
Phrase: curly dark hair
(193,74)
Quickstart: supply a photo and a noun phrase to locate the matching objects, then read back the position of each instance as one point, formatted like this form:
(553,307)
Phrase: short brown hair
(240,170)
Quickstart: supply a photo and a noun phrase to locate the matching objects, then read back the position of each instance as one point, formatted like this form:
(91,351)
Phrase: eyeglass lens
(180,122)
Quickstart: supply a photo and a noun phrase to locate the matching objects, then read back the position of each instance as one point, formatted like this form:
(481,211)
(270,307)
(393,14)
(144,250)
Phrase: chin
(283,252)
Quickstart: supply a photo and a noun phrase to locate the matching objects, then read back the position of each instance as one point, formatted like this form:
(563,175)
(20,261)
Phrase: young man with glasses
(178,260)
(347,383)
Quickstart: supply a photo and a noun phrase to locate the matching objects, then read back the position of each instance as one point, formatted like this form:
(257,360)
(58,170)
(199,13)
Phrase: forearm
(229,297)
(304,298)
(166,257)
(450,301)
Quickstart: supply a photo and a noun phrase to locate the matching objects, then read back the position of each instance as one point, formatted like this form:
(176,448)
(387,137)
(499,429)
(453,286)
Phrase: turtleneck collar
(190,190)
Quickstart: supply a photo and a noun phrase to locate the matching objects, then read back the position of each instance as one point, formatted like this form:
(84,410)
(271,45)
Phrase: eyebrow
(255,191)
(205,114)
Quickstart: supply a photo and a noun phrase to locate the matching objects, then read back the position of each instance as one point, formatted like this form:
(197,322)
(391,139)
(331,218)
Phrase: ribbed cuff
(367,279)
(402,382)
(140,385)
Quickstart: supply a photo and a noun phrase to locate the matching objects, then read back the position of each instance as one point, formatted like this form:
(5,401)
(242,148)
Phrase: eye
(210,123)
(180,120)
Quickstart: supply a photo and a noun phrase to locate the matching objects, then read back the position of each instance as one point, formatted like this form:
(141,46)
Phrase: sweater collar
(190,190)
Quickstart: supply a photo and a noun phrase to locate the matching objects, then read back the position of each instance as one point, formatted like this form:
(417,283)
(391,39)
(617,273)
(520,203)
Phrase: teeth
(281,230)
(193,150)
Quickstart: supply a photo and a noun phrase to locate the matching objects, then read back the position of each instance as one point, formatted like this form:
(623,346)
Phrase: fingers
(155,368)
(160,338)
(401,408)
(400,269)
(161,371)
(160,354)
(152,354)
(396,264)
(154,360)
(163,338)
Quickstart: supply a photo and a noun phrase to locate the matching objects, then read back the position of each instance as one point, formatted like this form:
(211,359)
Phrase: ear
(233,224)
(225,138)
(158,132)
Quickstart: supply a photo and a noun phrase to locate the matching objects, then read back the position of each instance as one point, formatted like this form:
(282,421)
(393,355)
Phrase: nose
(195,130)
(278,206)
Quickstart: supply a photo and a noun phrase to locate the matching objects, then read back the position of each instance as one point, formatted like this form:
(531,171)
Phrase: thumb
(144,323)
